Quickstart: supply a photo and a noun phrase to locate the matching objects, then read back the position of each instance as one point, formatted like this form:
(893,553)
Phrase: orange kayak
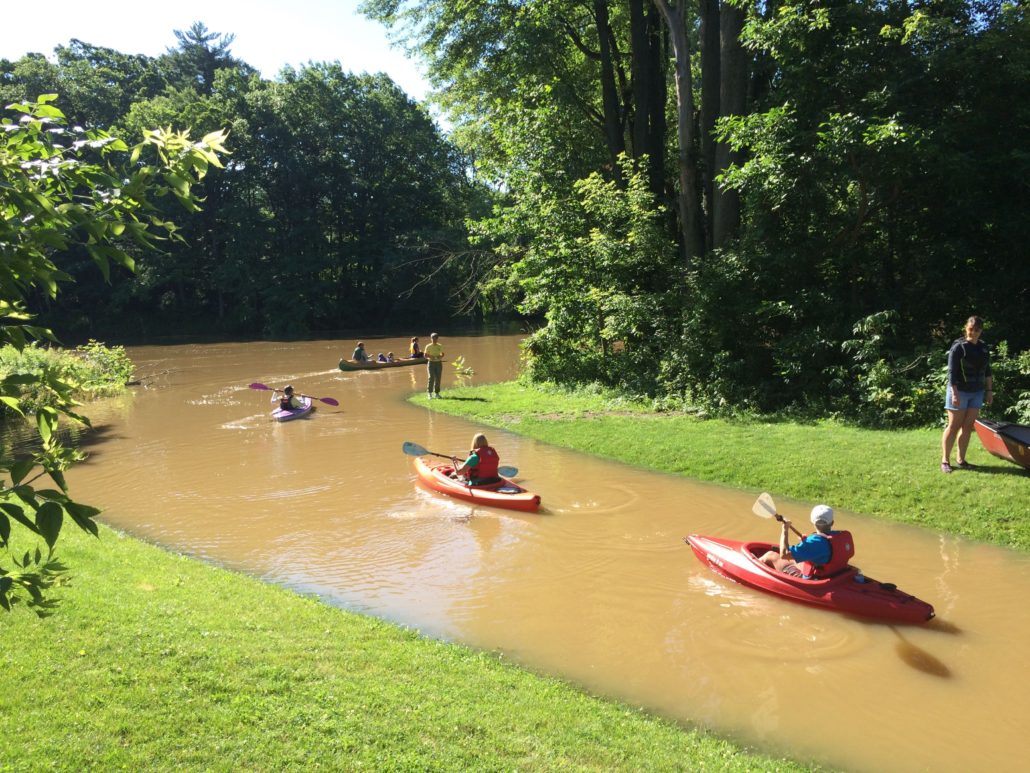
(503,494)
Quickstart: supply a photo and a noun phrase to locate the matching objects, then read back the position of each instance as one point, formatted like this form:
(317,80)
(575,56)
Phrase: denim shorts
(965,400)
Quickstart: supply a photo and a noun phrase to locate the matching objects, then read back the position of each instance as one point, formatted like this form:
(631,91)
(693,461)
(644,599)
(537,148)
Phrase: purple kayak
(296,413)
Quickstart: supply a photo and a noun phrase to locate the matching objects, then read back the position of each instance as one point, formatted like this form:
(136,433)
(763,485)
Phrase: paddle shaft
(780,518)
(326,400)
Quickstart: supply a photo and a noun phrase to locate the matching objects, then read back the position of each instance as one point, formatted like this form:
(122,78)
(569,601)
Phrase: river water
(599,588)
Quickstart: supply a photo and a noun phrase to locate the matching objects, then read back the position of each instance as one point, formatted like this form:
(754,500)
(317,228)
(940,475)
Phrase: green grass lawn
(889,474)
(154,661)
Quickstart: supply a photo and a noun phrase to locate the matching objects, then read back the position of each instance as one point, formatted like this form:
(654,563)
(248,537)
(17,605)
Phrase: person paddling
(820,554)
(360,355)
(287,402)
(414,352)
(481,465)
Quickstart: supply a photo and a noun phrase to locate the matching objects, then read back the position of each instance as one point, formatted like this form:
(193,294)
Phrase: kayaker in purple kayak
(819,554)
(287,402)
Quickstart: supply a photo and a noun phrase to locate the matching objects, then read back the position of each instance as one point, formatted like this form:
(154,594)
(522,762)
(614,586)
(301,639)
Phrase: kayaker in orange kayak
(480,468)
(819,554)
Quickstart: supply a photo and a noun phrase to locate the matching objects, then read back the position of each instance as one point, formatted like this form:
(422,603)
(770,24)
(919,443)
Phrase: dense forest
(339,193)
(721,204)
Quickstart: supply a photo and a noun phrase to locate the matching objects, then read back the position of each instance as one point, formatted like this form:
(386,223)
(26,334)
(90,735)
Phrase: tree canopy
(787,205)
(844,182)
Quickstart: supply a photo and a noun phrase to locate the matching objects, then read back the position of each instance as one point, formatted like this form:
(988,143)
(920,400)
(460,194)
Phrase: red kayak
(502,494)
(1005,440)
(848,591)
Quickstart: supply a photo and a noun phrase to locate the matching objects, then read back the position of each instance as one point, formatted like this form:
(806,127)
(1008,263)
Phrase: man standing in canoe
(434,353)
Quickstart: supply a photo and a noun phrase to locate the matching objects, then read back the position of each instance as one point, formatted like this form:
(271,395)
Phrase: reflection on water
(600,589)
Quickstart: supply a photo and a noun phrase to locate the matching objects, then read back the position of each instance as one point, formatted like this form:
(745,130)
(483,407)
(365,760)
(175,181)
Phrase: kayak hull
(506,494)
(372,365)
(848,592)
(307,407)
(1005,440)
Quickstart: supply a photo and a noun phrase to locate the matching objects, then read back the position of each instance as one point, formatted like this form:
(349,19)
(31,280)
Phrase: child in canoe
(480,468)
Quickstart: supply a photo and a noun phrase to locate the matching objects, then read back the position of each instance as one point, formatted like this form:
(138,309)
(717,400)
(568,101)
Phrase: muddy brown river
(599,588)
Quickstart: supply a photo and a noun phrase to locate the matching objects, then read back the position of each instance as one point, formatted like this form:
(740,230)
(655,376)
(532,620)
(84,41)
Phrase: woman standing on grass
(970,386)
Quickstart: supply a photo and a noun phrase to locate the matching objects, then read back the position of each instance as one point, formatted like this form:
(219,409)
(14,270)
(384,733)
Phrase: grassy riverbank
(154,661)
(889,474)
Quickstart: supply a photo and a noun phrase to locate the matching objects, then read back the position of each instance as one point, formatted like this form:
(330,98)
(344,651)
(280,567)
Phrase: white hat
(822,513)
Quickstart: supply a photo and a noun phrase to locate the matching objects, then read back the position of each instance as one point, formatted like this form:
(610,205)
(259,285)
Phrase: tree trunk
(648,130)
(613,133)
(732,101)
(710,85)
(689,200)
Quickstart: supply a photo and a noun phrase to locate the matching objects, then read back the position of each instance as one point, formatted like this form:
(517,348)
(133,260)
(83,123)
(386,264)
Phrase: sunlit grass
(889,474)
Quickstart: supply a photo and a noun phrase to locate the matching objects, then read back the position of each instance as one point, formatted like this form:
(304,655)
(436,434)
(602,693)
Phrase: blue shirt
(814,548)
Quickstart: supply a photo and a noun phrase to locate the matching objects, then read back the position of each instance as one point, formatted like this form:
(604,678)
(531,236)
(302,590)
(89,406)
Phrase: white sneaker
(429,396)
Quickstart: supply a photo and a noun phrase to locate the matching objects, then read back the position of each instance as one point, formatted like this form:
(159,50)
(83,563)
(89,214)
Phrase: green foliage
(1012,385)
(344,205)
(90,371)
(462,368)
(891,384)
(63,189)
(600,268)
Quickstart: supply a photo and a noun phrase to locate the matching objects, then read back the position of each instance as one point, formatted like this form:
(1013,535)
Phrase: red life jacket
(842,549)
(286,403)
(488,462)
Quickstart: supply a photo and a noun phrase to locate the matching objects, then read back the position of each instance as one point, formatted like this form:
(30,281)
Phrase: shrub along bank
(889,474)
(154,661)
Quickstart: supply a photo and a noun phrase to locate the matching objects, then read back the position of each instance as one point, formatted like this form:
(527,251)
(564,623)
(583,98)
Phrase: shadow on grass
(465,399)
(996,470)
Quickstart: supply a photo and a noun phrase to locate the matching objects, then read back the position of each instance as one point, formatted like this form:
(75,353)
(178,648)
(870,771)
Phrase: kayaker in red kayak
(480,468)
(819,554)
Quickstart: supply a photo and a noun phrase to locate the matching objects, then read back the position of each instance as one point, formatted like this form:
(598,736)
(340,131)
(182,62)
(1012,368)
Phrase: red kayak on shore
(1005,440)
(848,591)
(505,493)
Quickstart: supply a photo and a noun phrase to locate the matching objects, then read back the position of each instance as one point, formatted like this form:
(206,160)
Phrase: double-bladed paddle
(414,449)
(766,508)
(326,400)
